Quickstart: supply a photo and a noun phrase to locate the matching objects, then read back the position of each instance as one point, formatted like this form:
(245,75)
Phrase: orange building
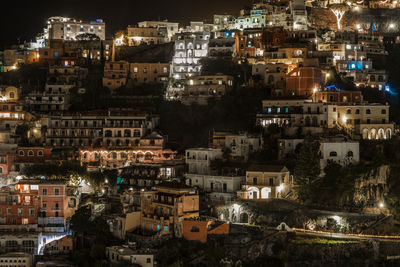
(273,36)
(63,245)
(303,80)
(199,230)
(339,96)
(164,209)
(46,203)
(249,43)
(31,155)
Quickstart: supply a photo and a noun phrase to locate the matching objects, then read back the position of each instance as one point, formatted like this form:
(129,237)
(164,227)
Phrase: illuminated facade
(266,181)
(68,28)
(189,48)
(149,72)
(115,74)
(168,206)
(146,35)
(97,128)
(171,27)
(256,19)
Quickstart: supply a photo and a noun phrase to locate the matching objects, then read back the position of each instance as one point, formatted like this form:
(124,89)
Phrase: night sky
(23,19)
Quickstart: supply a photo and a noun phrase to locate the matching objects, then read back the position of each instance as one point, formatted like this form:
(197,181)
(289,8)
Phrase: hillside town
(268,137)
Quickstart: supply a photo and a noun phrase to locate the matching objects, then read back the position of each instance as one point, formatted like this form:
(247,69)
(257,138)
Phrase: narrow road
(345,236)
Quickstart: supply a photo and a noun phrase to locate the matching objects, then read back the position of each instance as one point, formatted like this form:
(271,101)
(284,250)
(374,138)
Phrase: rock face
(323,18)
(371,187)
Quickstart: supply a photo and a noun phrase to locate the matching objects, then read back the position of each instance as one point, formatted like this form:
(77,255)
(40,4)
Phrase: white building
(199,159)
(340,151)
(220,188)
(126,255)
(63,28)
(189,49)
(299,13)
(256,19)
(172,27)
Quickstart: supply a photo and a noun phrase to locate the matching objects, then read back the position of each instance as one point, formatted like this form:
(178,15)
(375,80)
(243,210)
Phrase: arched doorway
(388,133)
(381,134)
(253,193)
(365,133)
(265,192)
(373,134)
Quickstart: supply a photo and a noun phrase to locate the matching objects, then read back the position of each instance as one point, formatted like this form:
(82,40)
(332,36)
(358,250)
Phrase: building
(124,223)
(16,57)
(199,229)
(130,256)
(146,35)
(149,72)
(19,241)
(340,151)
(116,74)
(222,47)
(63,245)
(217,188)
(299,13)
(189,48)
(221,22)
(240,145)
(266,181)
(199,89)
(19,259)
(119,128)
(172,27)
(249,43)
(336,96)
(199,159)
(303,81)
(63,28)
(256,19)
(169,205)
(37,203)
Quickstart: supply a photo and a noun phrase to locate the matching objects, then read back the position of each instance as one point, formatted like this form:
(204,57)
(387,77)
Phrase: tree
(339,9)
(307,169)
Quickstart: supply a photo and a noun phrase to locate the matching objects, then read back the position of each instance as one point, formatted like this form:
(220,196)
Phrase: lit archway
(381,134)
(388,133)
(373,135)
(265,192)
(253,193)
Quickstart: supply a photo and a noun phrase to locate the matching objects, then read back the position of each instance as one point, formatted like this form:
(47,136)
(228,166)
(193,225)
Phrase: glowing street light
(381,205)
(391,25)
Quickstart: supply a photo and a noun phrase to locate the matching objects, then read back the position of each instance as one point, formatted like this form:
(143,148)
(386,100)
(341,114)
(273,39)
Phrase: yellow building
(266,181)
(149,72)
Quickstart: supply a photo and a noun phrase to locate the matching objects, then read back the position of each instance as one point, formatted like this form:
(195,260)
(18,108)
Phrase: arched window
(350,154)
(333,154)
(383,111)
(40,153)
(348,111)
(21,153)
(12,95)
(30,153)
(368,111)
(357,111)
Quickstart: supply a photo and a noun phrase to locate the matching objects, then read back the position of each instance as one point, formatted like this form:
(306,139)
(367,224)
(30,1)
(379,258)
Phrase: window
(21,153)
(350,154)
(333,154)
(195,229)
(357,111)
(30,153)
(56,191)
(271,181)
(44,191)
(368,111)
(383,111)
(348,111)
(40,153)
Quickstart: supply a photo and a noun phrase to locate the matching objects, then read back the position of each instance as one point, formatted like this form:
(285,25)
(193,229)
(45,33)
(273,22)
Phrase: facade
(189,48)
(256,19)
(169,205)
(116,74)
(218,188)
(304,81)
(61,246)
(221,22)
(266,181)
(299,13)
(172,27)
(68,28)
(146,36)
(16,57)
(19,241)
(198,89)
(19,259)
(343,152)
(198,229)
(222,47)
(97,128)
(249,43)
(130,256)
(240,144)
(199,159)
(149,72)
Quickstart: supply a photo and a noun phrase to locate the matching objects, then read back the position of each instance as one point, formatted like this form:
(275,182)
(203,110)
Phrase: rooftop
(267,168)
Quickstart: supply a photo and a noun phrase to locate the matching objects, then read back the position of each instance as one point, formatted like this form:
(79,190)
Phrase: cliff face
(322,18)
(372,186)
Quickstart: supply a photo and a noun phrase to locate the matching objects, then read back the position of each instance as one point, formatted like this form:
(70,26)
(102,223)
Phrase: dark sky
(24,19)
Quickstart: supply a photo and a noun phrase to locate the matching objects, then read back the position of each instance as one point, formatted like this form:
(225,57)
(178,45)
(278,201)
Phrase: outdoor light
(315,90)
(391,25)
(236,207)
(381,205)
(356,8)
(358,26)
(328,74)
(344,119)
